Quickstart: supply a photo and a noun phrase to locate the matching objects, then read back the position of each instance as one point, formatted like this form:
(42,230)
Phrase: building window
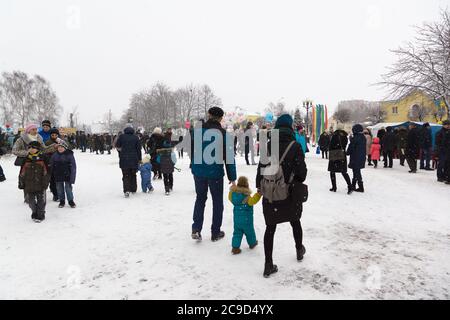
(395,110)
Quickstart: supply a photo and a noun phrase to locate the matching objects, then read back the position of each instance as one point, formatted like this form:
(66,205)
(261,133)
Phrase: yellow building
(405,108)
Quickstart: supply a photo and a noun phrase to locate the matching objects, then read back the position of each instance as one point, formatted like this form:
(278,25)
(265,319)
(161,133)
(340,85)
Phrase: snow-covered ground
(391,242)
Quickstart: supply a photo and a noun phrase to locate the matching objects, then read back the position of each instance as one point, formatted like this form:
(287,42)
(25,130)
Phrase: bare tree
(17,88)
(45,101)
(342,115)
(376,114)
(423,64)
(208,99)
(419,112)
(277,109)
(24,99)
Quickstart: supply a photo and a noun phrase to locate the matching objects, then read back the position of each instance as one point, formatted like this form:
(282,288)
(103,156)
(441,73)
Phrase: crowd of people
(46,159)
(411,145)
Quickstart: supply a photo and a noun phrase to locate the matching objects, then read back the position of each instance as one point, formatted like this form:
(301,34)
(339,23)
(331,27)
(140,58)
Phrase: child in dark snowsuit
(167,160)
(146,175)
(240,196)
(34,179)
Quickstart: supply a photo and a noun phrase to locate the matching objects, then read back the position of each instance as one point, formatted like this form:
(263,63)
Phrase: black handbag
(20,161)
(300,191)
(337,154)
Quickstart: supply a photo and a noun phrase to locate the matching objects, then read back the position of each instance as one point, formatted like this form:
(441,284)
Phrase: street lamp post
(307,104)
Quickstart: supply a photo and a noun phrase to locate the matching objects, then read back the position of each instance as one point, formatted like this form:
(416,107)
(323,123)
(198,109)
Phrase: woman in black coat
(289,210)
(130,155)
(357,152)
(338,144)
(154,143)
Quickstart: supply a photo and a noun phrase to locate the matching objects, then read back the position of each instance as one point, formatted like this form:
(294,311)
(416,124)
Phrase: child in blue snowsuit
(146,175)
(240,196)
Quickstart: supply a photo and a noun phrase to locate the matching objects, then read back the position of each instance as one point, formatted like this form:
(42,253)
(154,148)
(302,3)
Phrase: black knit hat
(54,130)
(35,145)
(46,123)
(216,112)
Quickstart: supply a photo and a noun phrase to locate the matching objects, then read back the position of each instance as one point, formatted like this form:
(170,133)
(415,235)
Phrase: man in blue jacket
(44,131)
(209,174)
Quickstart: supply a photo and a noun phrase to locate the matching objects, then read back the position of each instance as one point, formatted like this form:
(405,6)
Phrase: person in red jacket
(375,151)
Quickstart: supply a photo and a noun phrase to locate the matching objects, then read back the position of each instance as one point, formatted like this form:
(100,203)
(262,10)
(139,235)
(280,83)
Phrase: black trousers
(388,157)
(333,179)
(412,163)
(180,153)
(37,202)
(129,180)
(369,159)
(325,153)
(168,181)
(357,177)
(270,233)
(53,187)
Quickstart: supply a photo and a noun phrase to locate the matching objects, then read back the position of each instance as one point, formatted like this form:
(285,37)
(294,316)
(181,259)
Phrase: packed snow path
(392,242)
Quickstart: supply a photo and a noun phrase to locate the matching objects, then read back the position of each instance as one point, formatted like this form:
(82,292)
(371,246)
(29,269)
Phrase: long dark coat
(338,141)
(357,148)
(324,141)
(130,149)
(389,142)
(289,209)
(413,143)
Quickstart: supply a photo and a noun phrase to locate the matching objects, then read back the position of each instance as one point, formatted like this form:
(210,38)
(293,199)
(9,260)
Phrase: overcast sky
(96,53)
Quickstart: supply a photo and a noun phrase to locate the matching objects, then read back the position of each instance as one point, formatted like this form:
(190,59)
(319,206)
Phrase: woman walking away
(240,196)
(293,167)
(154,143)
(338,159)
(129,146)
(64,171)
(357,152)
(375,151)
(167,160)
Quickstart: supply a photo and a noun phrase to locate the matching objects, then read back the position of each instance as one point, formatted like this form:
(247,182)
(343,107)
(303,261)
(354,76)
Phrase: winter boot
(216,237)
(72,204)
(236,251)
(333,184)
(62,204)
(269,268)
(360,187)
(196,235)
(300,253)
(55,198)
(2,178)
(351,187)
(126,194)
(254,245)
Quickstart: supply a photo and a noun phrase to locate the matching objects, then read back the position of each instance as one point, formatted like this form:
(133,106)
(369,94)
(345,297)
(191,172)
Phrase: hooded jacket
(357,148)
(375,149)
(243,202)
(130,149)
(63,166)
